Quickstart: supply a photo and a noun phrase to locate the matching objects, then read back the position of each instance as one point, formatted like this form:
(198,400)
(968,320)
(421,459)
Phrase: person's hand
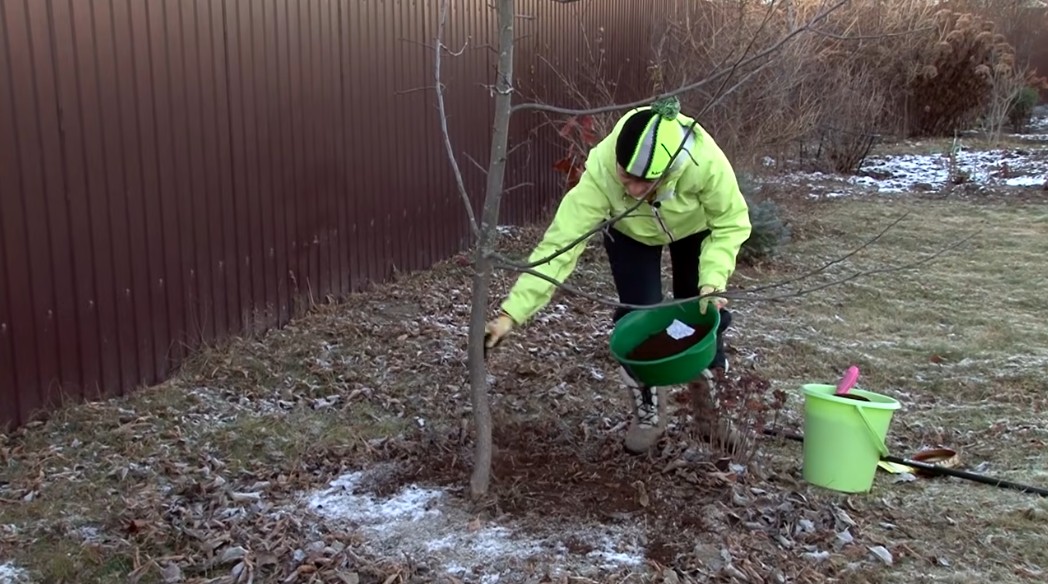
(705,301)
(495,330)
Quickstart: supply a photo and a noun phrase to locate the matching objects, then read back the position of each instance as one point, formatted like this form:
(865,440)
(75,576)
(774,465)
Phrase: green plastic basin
(634,328)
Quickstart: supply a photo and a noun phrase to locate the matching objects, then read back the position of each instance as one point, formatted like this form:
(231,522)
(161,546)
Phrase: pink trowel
(851,376)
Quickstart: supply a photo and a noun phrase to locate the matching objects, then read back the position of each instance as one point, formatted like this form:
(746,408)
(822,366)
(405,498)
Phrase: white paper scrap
(679,330)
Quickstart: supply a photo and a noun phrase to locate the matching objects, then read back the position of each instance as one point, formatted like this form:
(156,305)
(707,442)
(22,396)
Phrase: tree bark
(483,265)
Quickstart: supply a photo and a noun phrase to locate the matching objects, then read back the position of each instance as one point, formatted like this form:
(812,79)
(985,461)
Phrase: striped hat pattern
(649,139)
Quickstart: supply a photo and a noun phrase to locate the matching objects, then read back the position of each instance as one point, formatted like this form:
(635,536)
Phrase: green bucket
(635,328)
(844,439)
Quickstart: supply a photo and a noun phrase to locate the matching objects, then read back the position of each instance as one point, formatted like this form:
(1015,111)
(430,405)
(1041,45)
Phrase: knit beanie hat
(649,139)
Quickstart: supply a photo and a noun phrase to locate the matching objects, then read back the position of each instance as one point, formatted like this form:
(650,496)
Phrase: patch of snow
(219,407)
(1039,121)
(1027,181)
(1032,137)
(88,533)
(11,574)
(899,173)
(902,173)
(411,504)
(424,523)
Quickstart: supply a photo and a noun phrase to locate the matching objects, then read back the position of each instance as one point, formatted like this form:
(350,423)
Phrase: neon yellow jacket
(700,193)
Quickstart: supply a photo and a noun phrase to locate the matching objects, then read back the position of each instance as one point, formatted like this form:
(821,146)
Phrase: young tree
(485,258)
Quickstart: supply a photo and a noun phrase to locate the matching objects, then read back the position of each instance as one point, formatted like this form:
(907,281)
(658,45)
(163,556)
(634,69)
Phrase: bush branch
(853,276)
(749,294)
(444,121)
(719,94)
(834,261)
(534,106)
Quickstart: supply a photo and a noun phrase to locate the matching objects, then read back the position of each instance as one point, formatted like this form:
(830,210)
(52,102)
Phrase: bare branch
(481,167)
(689,87)
(417,43)
(834,261)
(414,90)
(596,297)
(719,95)
(854,275)
(517,186)
(444,123)
(872,37)
(475,163)
(457,53)
(715,100)
(742,294)
(523,266)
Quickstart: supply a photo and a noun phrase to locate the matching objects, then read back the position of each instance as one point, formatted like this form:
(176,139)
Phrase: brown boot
(649,415)
(719,434)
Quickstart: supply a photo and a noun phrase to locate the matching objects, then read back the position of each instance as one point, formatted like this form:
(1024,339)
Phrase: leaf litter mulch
(337,449)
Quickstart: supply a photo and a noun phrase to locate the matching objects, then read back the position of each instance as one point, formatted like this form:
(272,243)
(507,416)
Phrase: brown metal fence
(178,171)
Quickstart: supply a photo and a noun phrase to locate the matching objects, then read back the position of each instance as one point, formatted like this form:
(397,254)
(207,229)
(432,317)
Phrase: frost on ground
(12,575)
(903,173)
(424,524)
(1040,119)
(1024,166)
(907,172)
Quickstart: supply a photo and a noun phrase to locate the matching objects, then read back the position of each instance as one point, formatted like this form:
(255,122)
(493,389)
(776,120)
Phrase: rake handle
(936,469)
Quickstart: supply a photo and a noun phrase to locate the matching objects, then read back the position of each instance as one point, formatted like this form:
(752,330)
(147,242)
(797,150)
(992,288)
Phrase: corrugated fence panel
(238,221)
(197,71)
(174,172)
(19,372)
(103,102)
(277,129)
(364,101)
(30,83)
(80,188)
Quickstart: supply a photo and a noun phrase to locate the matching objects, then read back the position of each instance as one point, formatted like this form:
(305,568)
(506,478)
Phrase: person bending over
(697,210)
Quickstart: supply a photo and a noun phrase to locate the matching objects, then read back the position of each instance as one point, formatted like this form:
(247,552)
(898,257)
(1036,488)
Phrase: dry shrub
(767,110)
(952,79)
(869,68)
(1011,100)
(827,90)
(1024,23)
(747,406)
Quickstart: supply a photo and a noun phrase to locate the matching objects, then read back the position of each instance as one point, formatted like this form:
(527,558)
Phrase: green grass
(961,341)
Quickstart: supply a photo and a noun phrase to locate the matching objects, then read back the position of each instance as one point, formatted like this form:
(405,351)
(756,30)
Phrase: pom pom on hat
(668,107)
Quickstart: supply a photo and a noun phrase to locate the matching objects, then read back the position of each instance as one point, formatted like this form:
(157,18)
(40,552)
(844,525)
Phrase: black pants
(636,269)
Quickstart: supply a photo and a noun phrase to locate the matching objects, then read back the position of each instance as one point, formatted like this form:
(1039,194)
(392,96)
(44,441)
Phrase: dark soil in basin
(662,344)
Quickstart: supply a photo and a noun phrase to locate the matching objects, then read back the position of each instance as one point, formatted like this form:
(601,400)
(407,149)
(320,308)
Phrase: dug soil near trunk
(667,508)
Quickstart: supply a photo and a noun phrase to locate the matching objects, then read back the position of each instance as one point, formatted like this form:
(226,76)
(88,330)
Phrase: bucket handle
(873,433)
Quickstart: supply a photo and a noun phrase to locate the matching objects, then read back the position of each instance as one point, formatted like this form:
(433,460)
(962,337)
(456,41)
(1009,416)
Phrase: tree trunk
(481,479)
